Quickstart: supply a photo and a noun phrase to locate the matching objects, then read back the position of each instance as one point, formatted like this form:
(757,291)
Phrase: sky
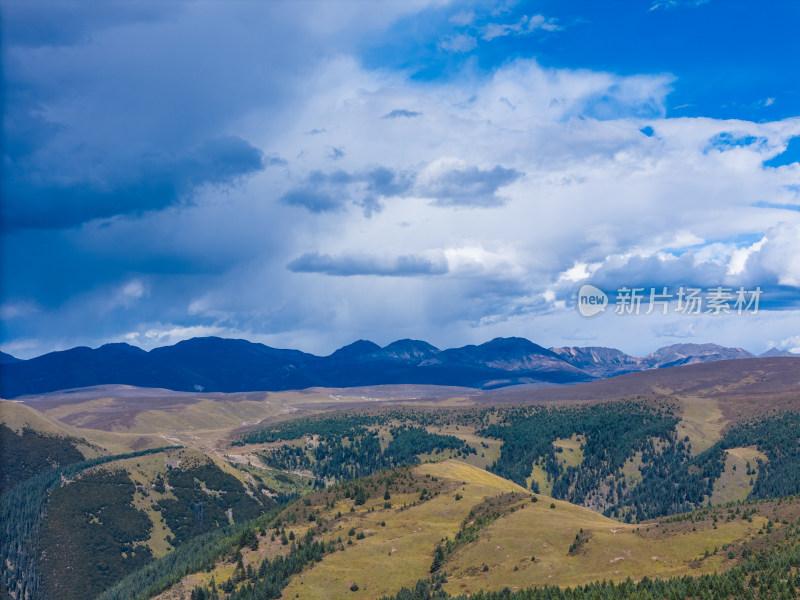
(306,174)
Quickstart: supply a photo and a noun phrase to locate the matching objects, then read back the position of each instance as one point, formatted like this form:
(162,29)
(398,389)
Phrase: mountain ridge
(213,364)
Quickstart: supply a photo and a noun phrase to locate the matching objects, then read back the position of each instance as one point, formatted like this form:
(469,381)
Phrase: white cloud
(18,310)
(598,198)
(571,187)
(463,18)
(459,43)
(525,26)
(791,343)
(578,272)
(127,294)
(666,4)
(165,334)
(739,257)
(777,257)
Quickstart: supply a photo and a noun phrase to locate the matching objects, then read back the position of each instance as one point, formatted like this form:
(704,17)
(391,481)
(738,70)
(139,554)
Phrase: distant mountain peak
(122,346)
(213,340)
(7,359)
(599,360)
(773,352)
(357,348)
(233,365)
(410,349)
(514,345)
(687,354)
(693,347)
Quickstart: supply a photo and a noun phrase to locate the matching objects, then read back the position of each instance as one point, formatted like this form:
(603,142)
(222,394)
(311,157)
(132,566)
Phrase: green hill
(493,535)
(342,494)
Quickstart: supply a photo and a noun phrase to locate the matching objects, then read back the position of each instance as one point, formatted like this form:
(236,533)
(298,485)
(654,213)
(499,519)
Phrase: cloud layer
(191,169)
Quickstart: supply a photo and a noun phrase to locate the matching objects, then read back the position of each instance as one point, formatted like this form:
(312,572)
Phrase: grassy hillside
(401,552)
(493,533)
(392,495)
(100,520)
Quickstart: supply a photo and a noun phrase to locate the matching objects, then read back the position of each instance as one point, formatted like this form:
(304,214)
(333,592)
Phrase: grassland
(18,416)
(400,552)
(539,476)
(571,454)
(399,544)
(399,541)
(487,449)
(702,421)
(143,472)
(631,469)
(735,482)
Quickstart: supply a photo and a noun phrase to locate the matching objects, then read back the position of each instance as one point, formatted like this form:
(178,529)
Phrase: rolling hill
(394,479)
(466,531)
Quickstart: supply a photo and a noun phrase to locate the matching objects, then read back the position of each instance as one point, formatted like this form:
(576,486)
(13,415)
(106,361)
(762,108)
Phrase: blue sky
(305,174)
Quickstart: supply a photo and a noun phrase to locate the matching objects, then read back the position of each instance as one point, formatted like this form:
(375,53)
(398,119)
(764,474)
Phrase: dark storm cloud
(401,112)
(114,108)
(470,187)
(364,264)
(275,161)
(64,23)
(386,182)
(335,153)
(153,182)
(313,200)
(328,192)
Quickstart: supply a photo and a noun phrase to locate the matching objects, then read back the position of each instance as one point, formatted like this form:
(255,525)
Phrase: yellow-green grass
(208,415)
(17,416)
(184,417)
(614,551)
(399,553)
(460,471)
(157,542)
(702,421)
(223,570)
(571,454)
(380,395)
(241,454)
(445,454)
(120,443)
(734,483)
(384,434)
(400,541)
(365,518)
(487,449)
(631,469)
(539,475)
(143,471)
(270,478)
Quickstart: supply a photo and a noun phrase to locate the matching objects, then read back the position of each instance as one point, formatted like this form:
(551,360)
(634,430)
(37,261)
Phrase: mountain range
(214,364)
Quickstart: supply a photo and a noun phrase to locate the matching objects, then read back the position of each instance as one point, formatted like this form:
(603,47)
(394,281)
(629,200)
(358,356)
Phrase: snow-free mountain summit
(214,364)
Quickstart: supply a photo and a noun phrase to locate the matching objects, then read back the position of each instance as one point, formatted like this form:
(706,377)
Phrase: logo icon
(591,300)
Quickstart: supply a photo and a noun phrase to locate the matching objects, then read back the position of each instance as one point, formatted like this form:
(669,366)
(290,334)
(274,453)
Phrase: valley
(685,471)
